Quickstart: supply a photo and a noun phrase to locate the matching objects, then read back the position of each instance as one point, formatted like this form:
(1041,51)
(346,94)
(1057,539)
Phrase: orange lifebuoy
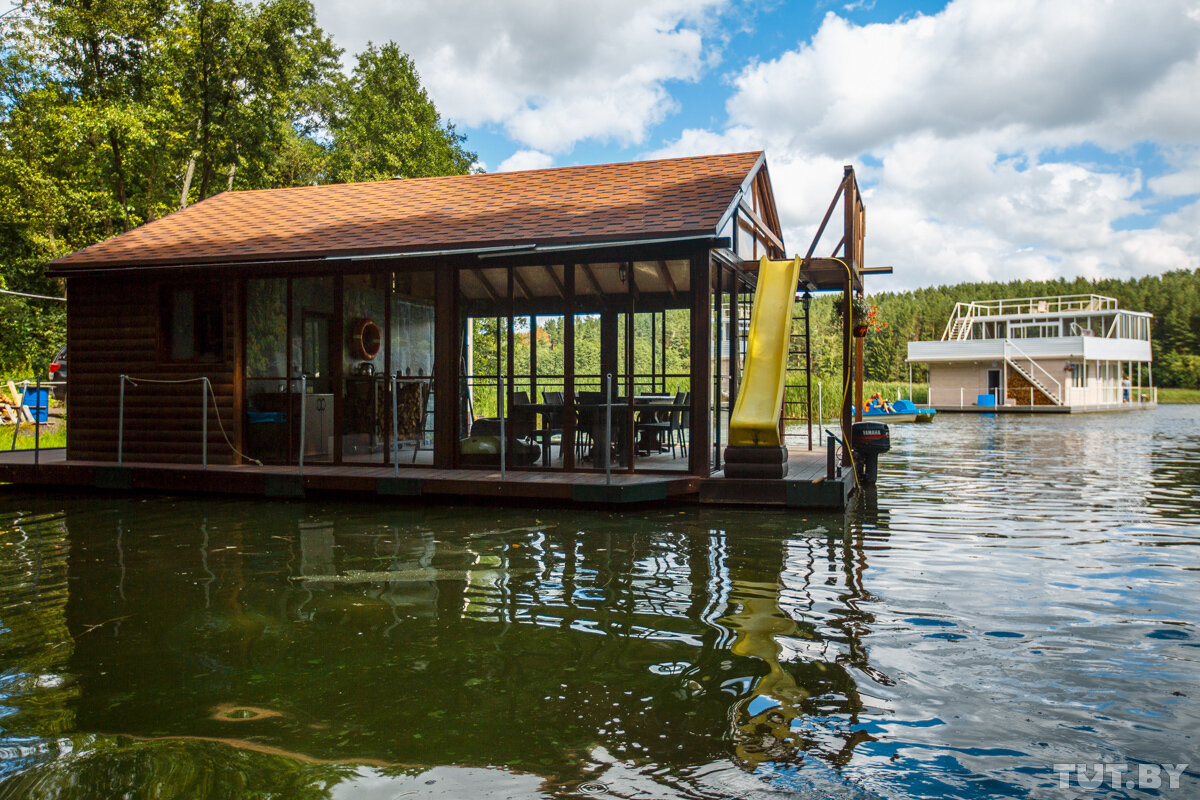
(367,339)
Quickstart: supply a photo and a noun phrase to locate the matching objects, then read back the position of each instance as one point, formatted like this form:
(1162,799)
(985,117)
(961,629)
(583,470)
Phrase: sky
(993,139)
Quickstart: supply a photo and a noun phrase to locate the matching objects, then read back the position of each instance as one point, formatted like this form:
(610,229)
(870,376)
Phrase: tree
(385,125)
(254,77)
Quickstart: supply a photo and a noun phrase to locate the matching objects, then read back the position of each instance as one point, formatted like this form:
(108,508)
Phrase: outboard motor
(868,440)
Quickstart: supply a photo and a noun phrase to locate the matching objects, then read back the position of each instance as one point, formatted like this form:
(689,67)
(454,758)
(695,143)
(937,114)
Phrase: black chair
(685,423)
(675,423)
(521,419)
(655,423)
(588,413)
(553,420)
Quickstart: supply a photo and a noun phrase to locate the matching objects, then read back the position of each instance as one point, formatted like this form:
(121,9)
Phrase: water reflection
(336,638)
(1017,593)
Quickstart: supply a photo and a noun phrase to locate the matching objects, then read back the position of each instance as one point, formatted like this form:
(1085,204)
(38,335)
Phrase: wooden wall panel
(113,329)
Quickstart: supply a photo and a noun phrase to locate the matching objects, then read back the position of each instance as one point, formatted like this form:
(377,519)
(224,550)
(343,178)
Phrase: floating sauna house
(458,336)
(1058,354)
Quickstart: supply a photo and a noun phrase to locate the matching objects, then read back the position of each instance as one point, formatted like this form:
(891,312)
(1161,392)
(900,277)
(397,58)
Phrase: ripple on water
(1017,593)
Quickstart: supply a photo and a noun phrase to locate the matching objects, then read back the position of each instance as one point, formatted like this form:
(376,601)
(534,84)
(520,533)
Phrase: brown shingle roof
(643,199)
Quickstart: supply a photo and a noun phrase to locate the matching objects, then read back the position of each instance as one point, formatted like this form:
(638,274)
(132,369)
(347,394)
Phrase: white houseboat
(1066,353)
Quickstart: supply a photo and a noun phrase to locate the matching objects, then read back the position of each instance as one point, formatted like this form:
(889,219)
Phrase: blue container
(986,400)
(38,403)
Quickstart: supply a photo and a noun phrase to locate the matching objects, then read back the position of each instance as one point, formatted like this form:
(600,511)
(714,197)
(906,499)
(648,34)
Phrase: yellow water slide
(755,418)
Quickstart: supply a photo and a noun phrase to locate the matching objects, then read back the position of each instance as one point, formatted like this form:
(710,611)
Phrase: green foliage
(114,114)
(387,127)
(1190,396)
(1179,369)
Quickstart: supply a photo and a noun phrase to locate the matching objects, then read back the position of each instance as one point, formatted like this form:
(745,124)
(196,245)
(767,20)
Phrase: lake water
(1019,593)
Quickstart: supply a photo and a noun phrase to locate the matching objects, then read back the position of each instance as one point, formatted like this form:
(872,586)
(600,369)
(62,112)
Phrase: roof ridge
(424,178)
(587,202)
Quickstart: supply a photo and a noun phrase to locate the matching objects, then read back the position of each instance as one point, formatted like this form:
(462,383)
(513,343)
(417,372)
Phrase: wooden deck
(805,486)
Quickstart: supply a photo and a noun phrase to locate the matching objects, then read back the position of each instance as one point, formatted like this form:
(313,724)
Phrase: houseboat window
(266,328)
(193,323)
(269,421)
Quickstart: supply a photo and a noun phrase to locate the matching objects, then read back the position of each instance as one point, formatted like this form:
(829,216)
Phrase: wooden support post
(664,337)
(447,332)
(859,344)
(630,443)
(337,347)
(239,370)
(699,455)
(533,365)
(608,343)
(847,356)
(853,253)
(568,416)
(510,361)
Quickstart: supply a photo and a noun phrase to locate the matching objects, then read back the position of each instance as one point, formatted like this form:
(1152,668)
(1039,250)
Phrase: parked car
(58,368)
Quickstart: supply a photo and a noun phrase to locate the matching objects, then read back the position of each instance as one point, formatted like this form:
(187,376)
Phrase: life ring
(366,340)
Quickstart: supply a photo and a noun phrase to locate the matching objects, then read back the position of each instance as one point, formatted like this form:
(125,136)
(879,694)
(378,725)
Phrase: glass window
(266,328)
(193,323)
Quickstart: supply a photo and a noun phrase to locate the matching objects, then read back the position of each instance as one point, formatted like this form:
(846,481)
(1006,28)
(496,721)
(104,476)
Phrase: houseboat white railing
(1033,372)
(958,327)
(1085,397)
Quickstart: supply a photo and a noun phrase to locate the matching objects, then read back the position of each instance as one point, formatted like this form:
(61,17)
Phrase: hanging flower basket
(862,313)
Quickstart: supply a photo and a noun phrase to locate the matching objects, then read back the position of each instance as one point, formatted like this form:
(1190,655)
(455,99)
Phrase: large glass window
(365,406)
(268,432)
(410,357)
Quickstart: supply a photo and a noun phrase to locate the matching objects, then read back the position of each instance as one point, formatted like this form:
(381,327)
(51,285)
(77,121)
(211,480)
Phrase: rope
(212,393)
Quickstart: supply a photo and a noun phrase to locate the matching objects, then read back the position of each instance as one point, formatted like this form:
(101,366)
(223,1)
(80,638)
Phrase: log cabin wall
(115,327)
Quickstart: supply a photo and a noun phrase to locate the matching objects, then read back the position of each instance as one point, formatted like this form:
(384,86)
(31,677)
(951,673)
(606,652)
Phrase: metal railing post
(121,424)
(37,420)
(204,423)
(303,415)
(503,428)
(608,433)
(820,403)
(396,430)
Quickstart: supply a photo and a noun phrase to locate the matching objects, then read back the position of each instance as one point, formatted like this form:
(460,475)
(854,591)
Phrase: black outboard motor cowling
(868,440)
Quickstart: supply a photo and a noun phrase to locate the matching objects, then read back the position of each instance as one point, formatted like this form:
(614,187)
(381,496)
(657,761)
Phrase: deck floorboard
(804,487)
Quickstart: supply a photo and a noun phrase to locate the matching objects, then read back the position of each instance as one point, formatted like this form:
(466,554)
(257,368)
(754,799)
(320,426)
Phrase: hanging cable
(846,388)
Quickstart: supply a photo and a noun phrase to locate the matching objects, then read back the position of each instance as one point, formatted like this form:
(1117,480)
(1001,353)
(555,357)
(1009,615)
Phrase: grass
(49,437)
(1178,395)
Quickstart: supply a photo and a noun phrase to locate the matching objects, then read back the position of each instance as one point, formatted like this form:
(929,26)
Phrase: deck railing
(206,392)
(25,414)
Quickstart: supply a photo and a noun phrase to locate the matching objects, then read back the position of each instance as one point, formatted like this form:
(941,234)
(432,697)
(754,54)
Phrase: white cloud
(961,122)
(550,73)
(1184,179)
(526,159)
(1115,72)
